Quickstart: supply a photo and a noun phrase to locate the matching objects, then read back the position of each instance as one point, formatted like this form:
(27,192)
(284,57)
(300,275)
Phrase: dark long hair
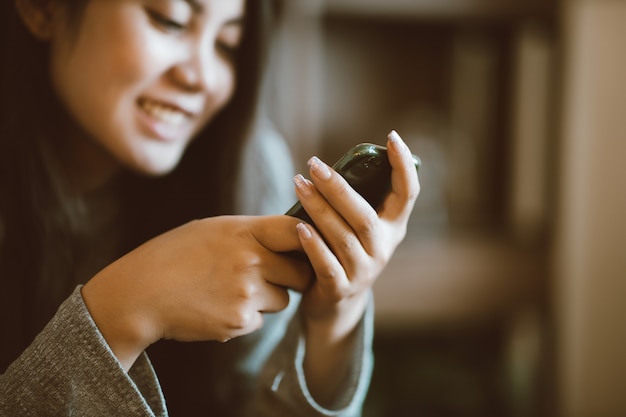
(40,216)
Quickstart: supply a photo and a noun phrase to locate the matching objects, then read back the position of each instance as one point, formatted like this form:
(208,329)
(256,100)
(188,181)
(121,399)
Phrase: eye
(229,40)
(228,50)
(166,23)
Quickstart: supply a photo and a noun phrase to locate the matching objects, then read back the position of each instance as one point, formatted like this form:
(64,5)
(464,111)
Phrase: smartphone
(366,168)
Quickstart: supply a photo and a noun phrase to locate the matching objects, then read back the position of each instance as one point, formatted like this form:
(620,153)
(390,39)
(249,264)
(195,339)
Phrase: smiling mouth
(163,112)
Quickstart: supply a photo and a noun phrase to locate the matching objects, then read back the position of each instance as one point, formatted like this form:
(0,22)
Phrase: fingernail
(303,231)
(304,186)
(396,141)
(319,168)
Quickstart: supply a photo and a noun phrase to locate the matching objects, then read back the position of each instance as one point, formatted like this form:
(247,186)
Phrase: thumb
(276,233)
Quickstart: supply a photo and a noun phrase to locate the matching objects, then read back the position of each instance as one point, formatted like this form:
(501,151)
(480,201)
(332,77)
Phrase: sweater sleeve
(284,391)
(70,370)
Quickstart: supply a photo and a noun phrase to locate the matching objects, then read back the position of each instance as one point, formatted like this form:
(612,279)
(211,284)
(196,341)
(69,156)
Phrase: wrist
(330,341)
(338,325)
(126,332)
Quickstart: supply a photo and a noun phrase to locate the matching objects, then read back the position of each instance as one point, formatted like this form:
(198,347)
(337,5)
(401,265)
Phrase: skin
(211,279)
(153,56)
(353,246)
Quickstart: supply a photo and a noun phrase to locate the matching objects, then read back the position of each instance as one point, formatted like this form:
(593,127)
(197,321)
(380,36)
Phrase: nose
(197,70)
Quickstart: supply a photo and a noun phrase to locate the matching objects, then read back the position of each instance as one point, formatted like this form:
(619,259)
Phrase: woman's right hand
(209,279)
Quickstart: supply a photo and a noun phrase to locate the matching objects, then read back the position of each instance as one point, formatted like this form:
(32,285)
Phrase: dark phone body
(366,168)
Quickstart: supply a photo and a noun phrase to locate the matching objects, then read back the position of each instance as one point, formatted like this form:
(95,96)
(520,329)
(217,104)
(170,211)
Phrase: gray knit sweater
(69,370)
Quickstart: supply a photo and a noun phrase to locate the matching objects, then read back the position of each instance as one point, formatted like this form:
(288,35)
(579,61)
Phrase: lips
(163,112)
(168,120)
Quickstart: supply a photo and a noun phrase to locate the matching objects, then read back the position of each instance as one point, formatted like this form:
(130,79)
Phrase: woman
(123,120)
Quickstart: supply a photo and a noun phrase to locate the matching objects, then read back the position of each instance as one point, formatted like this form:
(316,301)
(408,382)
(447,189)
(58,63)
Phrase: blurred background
(508,297)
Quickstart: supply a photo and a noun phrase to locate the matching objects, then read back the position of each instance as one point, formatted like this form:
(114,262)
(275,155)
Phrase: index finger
(405,185)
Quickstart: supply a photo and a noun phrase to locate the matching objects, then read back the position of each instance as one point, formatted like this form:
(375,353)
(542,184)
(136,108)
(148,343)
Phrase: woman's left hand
(353,242)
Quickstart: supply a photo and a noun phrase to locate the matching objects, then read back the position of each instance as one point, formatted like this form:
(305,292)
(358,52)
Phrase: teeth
(163,113)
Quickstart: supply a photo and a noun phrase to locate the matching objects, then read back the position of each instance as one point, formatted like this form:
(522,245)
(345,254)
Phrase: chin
(155,167)
(159,170)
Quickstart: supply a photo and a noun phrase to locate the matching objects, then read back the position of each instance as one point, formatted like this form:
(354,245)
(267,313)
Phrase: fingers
(287,270)
(336,191)
(276,233)
(349,225)
(329,199)
(331,278)
(280,261)
(267,292)
(404,180)
(337,233)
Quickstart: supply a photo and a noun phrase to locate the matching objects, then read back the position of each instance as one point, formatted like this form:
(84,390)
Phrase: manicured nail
(304,231)
(319,168)
(304,186)
(396,141)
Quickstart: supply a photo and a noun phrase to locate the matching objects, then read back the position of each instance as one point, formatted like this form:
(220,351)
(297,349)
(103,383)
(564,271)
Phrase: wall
(590,258)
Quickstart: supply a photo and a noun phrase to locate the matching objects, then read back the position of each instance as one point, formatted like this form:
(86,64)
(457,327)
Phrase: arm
(323,365)
(349,249)
(210,279)
(70,370)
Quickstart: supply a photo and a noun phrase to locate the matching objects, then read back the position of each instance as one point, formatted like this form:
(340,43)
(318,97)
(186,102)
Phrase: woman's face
(142,77)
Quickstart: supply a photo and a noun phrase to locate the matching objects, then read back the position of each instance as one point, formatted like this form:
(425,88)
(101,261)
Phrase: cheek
(134,62)
(221,94)
(76,81)
(227,85)
(93,74)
